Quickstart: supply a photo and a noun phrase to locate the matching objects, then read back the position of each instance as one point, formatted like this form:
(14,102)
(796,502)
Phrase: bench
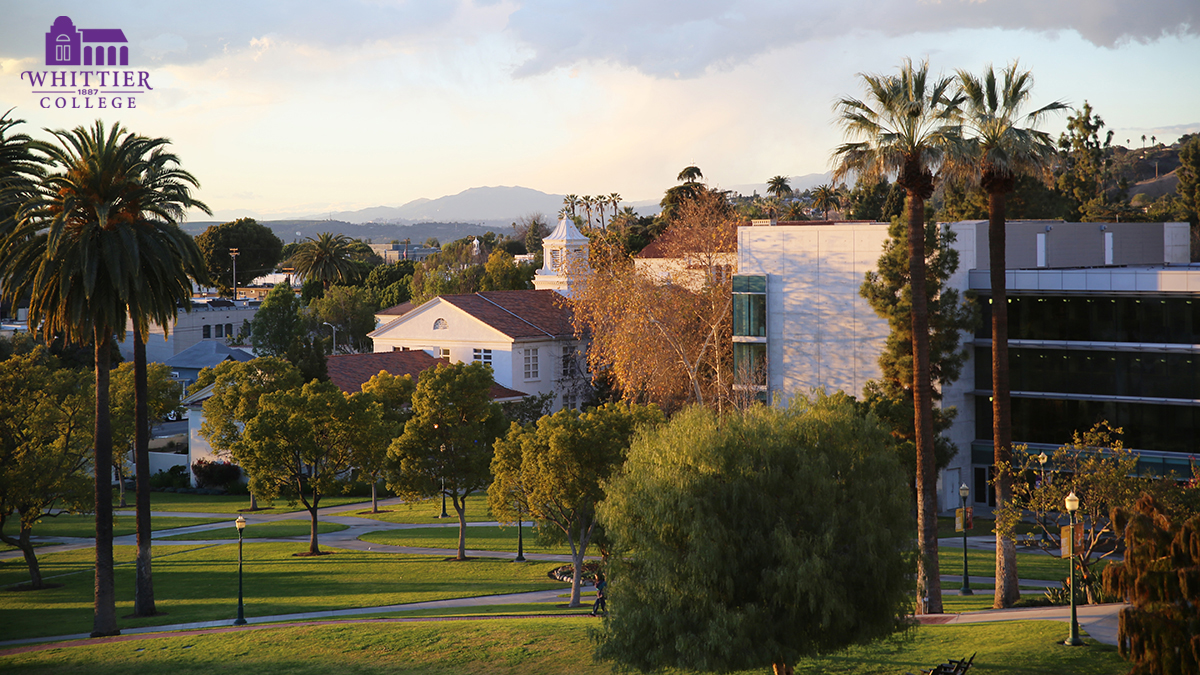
(951,667)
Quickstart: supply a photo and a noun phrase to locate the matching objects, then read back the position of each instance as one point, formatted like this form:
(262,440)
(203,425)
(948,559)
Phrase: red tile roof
(519,314)
(399,310)
(350,371)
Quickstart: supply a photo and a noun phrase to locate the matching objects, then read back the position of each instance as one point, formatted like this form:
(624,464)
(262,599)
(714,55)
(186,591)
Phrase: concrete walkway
(1099,621)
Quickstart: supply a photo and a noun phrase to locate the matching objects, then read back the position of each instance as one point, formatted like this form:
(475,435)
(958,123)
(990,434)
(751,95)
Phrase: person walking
(601,604)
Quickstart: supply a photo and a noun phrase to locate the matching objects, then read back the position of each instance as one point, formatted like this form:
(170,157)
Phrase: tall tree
(1002,142)
(743,541)
(258,251)
(903,128)
(554,470)
(75,252)
(1083,173)
(778,187)
(690,174)
(393,395)
(826,197)
(446,447)
(352,311)
(277,324)
(328,258)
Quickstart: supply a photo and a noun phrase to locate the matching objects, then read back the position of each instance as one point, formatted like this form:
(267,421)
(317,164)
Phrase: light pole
(233,253)
(334,328)
(1041,516)
(963,491)
(1073,640)
(442,471)
(520,542)
(241,617)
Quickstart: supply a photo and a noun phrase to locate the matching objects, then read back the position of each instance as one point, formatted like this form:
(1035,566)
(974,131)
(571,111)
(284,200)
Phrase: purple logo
(68,46)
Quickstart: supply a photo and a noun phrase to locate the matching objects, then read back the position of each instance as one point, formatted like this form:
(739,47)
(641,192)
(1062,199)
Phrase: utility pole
(233,253)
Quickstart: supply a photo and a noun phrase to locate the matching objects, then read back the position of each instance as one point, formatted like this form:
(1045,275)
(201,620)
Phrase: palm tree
(77,250)
(570,202)
(690,174)
(587,202)
(20,171)
(326,258)
(902,128)
(826,197)
(778,187)
(1000,150)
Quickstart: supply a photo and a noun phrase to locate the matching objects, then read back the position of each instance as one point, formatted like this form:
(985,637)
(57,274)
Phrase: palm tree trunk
(104,609)
(1007,591)
(143,592)
(929,584)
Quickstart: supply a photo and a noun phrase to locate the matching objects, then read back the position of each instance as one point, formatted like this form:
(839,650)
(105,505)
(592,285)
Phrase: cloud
(677,38)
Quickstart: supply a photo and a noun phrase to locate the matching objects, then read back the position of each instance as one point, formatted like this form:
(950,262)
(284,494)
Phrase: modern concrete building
(209,319)
(1104,323)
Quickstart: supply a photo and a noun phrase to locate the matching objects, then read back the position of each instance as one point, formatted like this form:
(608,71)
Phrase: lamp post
(520,541)
(241,617)
(963,491)
(233,253)
(334,328)
(1072,503)
(1041,516)
(443,472)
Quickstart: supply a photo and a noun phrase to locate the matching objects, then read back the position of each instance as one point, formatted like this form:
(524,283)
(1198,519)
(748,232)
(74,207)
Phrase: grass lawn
(426,511)
(274,530)
(172,501)
(478,538)
(983,563)
(199,583)
(540,645)
(68,525)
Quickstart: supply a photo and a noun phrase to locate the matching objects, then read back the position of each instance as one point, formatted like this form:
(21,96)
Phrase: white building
(527,337)
(209,319)
(1100,316)
(565,247)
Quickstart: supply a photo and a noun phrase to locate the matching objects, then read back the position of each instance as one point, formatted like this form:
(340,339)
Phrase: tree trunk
(26,547)
(460,507)
(120,470)
(253,501)
(781,668)
(929,585)
(374,499)
(577,574)
(1007,590)
(104,609)
(313,549)
(143,592)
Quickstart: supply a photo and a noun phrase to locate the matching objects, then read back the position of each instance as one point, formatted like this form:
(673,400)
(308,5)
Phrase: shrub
(175,477)
(216,474)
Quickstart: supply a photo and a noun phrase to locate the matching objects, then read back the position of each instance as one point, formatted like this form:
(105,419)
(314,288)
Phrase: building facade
(208,319)
(1101,326)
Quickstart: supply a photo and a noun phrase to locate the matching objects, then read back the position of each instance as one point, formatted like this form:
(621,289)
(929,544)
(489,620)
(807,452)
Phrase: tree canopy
(258,251)
(743,541)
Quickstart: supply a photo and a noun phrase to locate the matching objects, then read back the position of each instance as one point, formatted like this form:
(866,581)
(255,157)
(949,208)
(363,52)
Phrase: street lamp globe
(1072,502)
(964,491)
(240,523)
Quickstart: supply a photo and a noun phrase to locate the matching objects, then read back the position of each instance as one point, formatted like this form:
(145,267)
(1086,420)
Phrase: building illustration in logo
(68,46)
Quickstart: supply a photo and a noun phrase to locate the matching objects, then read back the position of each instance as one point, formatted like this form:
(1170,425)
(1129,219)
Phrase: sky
(290,108)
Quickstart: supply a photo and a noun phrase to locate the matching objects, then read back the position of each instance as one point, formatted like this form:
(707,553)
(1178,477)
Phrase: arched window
(112,56)
(99,56)
(124,56)
(87,56)
(440,324)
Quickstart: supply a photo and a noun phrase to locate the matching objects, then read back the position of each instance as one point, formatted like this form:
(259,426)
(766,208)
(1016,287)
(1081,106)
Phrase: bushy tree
(46,418)
(277,323)
(743,541)
(446,447)
(258,251)
(1086,160)
(555,470)
(393,396)
(352,311)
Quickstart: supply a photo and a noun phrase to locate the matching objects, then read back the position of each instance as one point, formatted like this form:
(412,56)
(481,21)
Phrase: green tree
(778,187)
(1002,142)
(1160,630)
(328,259)
(46,415)
(237,389)
(393,395)
(446,447)
(383,276)
(161,396)
(690,174)
(887,290)
(1085,163)
(1189,189)
(300,442)
(502,273)
(21,168)
(826,197)
(555,470)
(277,324)
(352,310)
(108,194)
(904,128)
(258,251)
(867,199)
(743,541)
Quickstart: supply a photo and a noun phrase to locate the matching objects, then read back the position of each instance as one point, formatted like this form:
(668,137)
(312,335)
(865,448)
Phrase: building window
(440,324)
(220,330)
(570,401)
(483,356)
(750,363)
(568,361)
(228,330)
(750,305)
(206,332)
(444,353)
(531,363)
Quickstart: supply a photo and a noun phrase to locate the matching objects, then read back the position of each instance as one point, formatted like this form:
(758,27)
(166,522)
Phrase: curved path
(1099,621)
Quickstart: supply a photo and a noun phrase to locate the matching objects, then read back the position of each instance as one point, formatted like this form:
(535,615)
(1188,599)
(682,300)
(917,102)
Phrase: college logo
(97,46)
(99,82)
